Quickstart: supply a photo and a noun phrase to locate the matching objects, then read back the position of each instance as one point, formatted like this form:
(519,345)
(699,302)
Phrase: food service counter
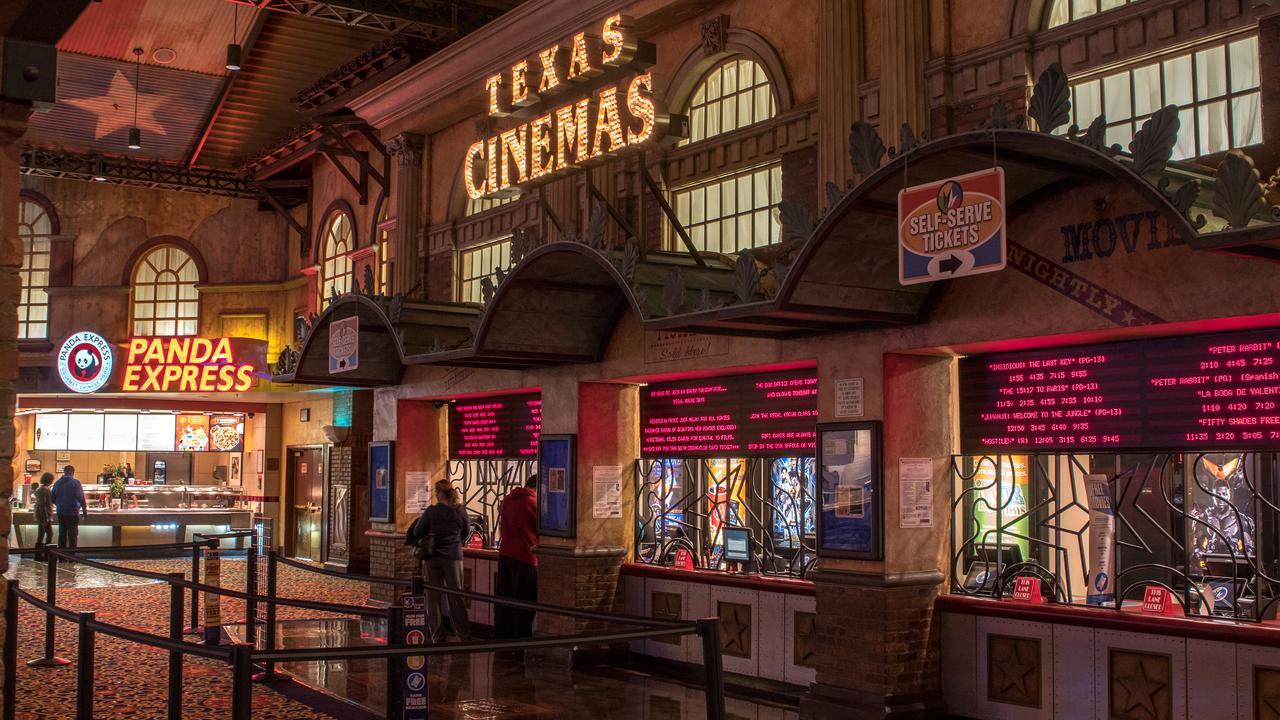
(142,526)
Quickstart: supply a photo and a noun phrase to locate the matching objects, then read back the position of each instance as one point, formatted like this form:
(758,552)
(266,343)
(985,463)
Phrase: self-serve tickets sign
(952,228)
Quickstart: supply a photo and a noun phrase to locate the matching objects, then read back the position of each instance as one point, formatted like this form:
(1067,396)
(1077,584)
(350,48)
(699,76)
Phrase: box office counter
(150,514)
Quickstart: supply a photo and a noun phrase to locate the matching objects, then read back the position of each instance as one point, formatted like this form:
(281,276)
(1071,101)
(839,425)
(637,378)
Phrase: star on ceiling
(114,109)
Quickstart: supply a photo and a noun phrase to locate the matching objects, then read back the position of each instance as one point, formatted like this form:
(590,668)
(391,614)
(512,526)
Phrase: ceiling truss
(435,21)
(151,174)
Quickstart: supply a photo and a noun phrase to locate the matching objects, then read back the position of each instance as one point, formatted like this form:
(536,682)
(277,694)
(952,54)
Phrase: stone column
(410,277)
(904,48)
(840,71)
(586,568)
(13,123)
(877,641)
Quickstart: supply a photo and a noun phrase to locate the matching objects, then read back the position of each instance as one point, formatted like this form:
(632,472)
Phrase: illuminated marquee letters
(156,364)
(616,116)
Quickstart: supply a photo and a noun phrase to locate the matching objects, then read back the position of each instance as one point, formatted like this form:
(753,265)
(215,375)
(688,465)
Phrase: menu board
(226,433)
(192,433)
(51,431)
(156,432)
(766,414)
(1200,392)
(120,431)
(84,431)
(506,426)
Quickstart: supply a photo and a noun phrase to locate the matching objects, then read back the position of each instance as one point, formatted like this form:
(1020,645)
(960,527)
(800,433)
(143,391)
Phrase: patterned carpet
(132,679)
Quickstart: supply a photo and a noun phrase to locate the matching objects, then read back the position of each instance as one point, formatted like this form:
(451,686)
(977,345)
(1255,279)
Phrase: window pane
(1088,102)
(1244,64)
(1146,89)
(1112,4)
(1186,147)
(1177,81)
(1082,8)
(1120,134)
(1211,73)
(1115,91)
(1212,122)
(1246,120)
(734,94)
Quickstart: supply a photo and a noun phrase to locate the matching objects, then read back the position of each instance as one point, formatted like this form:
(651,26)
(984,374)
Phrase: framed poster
(382,481)
(557,485)
(850,490)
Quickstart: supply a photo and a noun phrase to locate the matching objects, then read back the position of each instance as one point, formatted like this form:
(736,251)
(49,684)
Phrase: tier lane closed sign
(951,228)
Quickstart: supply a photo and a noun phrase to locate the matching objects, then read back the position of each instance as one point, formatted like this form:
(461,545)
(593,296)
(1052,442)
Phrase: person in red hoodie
(517,565)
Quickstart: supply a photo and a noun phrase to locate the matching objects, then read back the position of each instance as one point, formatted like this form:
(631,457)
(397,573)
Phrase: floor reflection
(31,573)
(483,686)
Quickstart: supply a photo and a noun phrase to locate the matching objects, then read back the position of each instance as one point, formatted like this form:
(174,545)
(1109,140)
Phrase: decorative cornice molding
(407,149)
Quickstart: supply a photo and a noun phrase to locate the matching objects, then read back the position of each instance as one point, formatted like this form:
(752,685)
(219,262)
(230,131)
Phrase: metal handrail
(505,602)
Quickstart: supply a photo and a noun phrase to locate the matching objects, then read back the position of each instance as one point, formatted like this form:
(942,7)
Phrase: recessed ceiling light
(163,56)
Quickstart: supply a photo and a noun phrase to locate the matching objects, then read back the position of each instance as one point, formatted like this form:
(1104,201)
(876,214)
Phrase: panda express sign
(161,364)
(615,110)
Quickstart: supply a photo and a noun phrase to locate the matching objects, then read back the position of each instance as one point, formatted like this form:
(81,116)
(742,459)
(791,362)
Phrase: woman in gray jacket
(446,522)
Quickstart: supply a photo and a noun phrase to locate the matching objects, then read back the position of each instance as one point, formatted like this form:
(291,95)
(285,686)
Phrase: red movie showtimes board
(506,426)
(1217,392)
(767,414)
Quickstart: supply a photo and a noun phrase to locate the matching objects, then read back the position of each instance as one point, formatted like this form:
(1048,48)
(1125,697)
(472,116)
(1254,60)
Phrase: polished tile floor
(470,687)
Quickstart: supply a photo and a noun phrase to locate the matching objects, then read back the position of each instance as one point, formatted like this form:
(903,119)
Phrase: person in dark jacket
(42,508)
(446,521)
(517,565)
(68,500)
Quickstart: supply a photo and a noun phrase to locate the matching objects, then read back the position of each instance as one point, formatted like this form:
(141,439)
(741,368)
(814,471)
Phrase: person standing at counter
(517,565)
(68,500)
(43,510)
(439,534)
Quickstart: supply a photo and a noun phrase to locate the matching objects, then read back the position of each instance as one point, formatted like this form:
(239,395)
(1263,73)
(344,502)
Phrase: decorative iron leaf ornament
(834,195)
(1152,145)
(287,361)
(595,229)
(486,290)
(519,245)
(369,288)
(641,295)
(746,278)
(500,274)
(1095,136)
(798,221)
(998,119)
(1183,198)
(704,301)
(436,345)
(906,139)
(1237,190)
(629,259)
(397,307)
(1050,104)
(865,148)
(333,293)
(570,233)
(673,292)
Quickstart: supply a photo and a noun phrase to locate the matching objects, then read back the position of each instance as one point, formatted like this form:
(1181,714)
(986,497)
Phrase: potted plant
(115,474)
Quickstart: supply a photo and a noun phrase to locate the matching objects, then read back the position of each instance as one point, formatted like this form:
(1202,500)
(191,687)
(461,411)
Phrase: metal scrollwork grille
(1097,529)
(483,484)
(686,503)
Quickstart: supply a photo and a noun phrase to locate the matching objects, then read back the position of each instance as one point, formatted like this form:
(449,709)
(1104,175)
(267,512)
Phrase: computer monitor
(1005,554)
(737,545)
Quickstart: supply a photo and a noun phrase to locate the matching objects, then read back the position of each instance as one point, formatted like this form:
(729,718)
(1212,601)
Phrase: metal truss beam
(436,21)
(152,174)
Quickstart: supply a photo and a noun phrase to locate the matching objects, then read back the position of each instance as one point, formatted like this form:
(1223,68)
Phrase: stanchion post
(84,667)
(11,650)
(418,585)
(194,627)
(269,673)
(713,666)
(395,692)
(251,589)
(51,597)
(241,682)
(175,657)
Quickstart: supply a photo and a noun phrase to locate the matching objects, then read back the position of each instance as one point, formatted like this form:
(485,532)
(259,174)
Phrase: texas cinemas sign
(582,103)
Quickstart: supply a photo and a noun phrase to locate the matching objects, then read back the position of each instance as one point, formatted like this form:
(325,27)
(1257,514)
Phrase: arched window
(36,229)
(383,235)
(335,261)
(735,212)
(1065,11)
(165,299)
(475,207)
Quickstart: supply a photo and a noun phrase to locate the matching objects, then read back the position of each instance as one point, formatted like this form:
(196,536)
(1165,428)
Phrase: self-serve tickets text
(184,365)
(560,139)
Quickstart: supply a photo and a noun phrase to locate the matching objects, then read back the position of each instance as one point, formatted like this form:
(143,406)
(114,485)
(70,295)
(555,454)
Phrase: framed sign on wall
(557,485)
(382,481)
(850,490)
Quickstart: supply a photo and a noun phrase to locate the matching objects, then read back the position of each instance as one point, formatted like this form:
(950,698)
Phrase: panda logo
(84,362)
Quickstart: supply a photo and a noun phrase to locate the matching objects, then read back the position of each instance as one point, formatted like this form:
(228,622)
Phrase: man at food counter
(68,500)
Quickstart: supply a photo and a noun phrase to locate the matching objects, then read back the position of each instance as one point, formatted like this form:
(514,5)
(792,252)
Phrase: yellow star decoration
(114,110)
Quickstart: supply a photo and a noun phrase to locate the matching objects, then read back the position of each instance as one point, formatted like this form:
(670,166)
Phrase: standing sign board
(952,228)
(212,609)
(413,671)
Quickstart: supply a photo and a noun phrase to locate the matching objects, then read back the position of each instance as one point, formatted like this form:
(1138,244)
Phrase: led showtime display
(766,414)
(1201,392)
(495,427)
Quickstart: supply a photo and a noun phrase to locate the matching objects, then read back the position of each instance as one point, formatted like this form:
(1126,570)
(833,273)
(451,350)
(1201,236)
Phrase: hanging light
(233,47)
(99,170)
(135,132)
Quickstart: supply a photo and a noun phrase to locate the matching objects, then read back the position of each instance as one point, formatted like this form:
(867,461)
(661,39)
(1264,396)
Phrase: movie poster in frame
(851,490)
(382,481)
(557,485)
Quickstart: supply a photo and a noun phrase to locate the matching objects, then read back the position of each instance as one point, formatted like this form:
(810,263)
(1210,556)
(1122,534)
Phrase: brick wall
(586,581)
(388,557)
